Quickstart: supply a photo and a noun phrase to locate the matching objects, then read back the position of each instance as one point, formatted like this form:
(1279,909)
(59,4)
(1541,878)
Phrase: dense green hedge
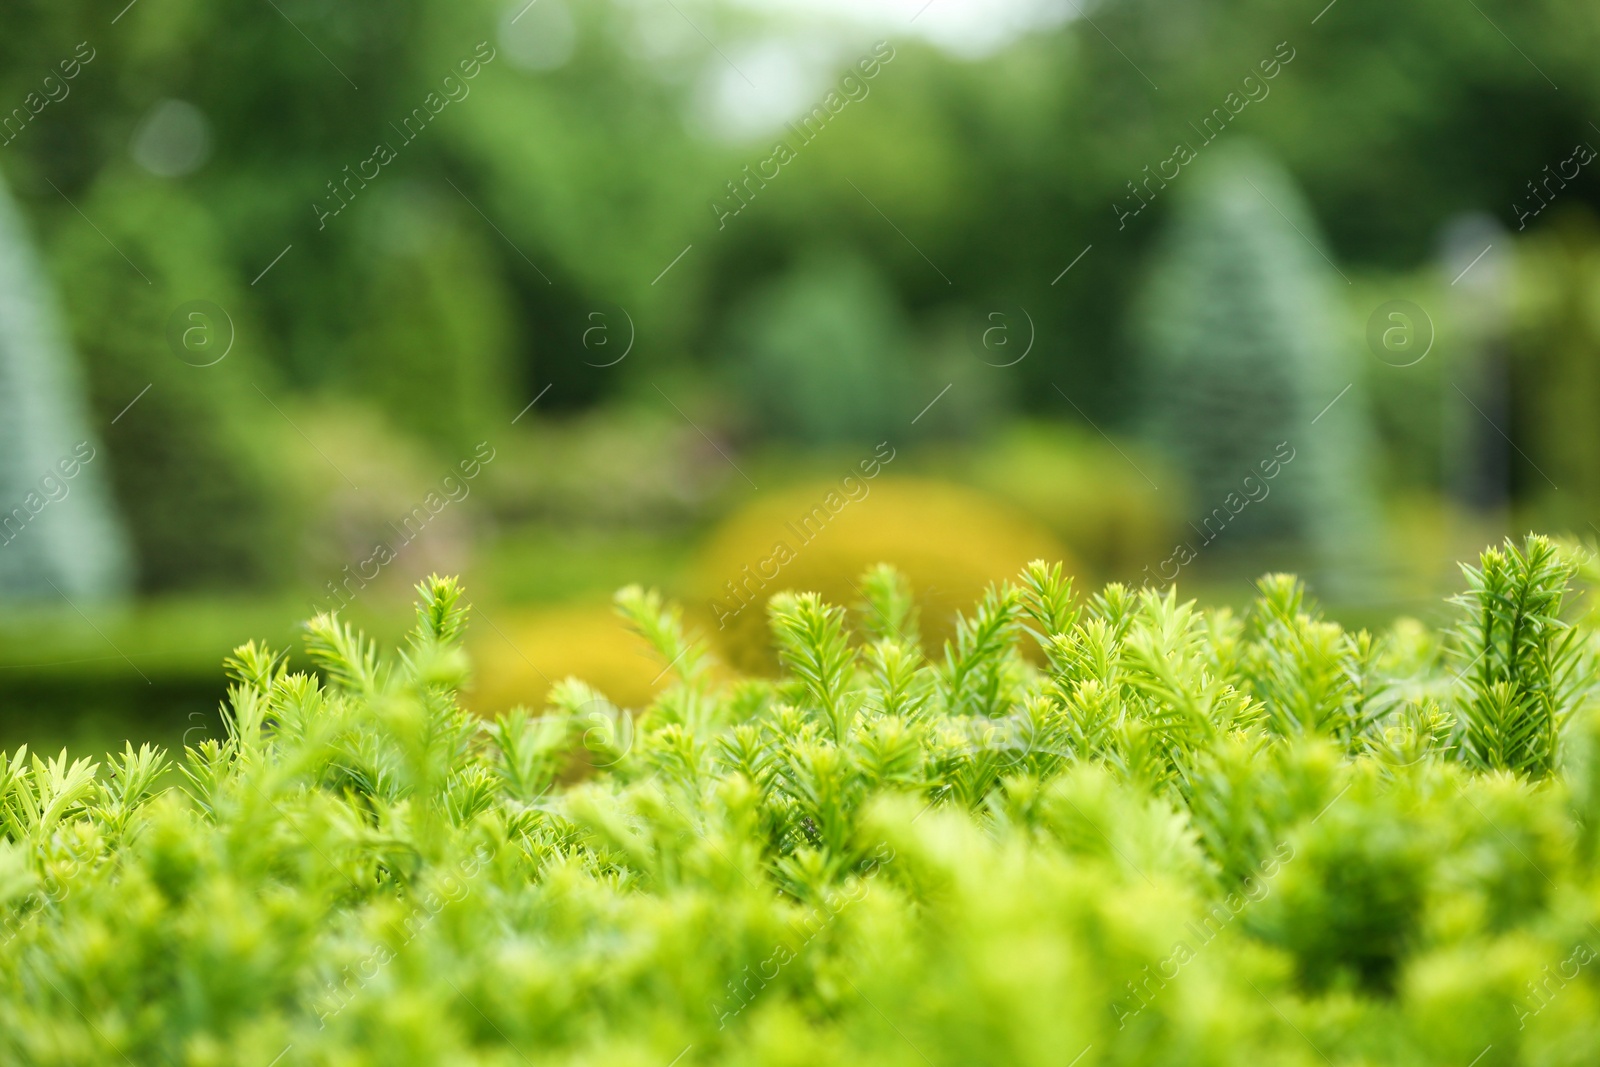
(1111,830)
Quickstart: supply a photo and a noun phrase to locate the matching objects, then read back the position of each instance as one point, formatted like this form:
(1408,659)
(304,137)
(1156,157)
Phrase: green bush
(1085,489)
(1555,335)
(949,541)
(436,351)
(823,354)
(1184,838)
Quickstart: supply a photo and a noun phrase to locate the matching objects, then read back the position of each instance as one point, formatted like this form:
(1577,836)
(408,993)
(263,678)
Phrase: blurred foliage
(638,467)
(1101,499)
(949,540)
(1557,340)
(144,671)
(195,458)
(822,356)
(551,566)
(1051,130)
(435,346)
(524,654)
(377,494)
(572,175)
(50,548)
(1246,368)
(1407,390)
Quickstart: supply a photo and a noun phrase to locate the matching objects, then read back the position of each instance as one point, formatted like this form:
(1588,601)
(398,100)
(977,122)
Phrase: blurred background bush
(949,541)
(422,231)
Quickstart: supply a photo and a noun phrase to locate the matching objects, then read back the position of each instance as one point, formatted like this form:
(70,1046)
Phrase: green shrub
(1554,334)
(1158,846)
(822,354)
(1349,904)
(949,541)
(1084,488)
(435,351)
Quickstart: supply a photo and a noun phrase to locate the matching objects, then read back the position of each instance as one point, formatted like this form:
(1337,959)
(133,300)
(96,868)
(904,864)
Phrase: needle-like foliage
(1520,658)
(1120,830)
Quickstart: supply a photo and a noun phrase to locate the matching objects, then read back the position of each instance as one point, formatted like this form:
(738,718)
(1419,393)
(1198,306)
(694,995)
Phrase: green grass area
(540,565)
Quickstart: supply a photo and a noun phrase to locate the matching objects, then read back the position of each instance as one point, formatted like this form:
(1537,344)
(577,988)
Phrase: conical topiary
(59,532)
(1242,359)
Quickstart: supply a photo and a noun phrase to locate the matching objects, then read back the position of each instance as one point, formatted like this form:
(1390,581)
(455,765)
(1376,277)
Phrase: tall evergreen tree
(59,532)
(1243,356)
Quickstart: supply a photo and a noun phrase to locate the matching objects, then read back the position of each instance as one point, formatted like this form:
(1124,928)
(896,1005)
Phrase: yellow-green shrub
(1114,506)
(527,652)
(950,541)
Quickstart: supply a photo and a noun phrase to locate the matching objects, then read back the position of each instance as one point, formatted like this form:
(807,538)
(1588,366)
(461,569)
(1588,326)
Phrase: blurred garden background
(302,301)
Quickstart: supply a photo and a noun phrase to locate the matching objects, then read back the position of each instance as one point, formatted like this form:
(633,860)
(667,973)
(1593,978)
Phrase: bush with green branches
(1114,829)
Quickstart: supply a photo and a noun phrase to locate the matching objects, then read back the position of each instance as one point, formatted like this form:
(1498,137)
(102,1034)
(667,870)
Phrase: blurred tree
(820,354)
(192,460)
(1050,130)
(1557,343)
(433,347)
(58,530)
(586,144)
(1244,369)
(1476,453)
